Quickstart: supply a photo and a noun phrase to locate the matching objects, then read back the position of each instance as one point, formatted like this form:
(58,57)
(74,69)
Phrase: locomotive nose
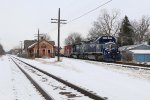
(113,53)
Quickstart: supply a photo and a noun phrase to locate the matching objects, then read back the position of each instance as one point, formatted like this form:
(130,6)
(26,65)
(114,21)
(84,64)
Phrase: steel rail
(37,86)
(122,64)
(135,66)
(79,89)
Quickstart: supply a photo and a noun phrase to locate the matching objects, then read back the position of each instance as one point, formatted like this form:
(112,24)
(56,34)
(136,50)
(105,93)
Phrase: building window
(49,51)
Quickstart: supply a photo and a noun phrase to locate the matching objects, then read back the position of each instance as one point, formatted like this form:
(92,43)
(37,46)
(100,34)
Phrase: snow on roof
(129,47)
(141,51)
(50,42)
(32,45)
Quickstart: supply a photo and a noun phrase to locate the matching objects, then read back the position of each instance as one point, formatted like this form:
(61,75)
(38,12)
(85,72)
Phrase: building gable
(43,43)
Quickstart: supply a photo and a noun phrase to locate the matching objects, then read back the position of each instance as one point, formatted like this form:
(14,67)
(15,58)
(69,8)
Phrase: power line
(86,13)
(90,11)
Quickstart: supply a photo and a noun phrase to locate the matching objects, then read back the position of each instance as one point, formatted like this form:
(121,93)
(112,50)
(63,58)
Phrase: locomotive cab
(111,52)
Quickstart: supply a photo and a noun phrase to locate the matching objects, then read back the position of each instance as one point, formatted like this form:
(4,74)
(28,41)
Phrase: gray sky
(20,19)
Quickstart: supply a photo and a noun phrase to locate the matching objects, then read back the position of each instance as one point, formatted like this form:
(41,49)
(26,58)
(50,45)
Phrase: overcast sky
(20,19)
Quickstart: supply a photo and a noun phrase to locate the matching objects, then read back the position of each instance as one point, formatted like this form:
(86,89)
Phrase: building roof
(50,42)
(27,43)
(32,45)
(135,47)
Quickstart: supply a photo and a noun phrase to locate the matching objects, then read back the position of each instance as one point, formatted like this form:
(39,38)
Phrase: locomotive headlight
(118,52)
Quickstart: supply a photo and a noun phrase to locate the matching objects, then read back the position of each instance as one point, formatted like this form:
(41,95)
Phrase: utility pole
(38,48)
(38,44)
(59,21)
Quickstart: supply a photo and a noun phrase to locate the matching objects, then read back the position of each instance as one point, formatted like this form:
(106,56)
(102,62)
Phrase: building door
(43,52)
(49,53)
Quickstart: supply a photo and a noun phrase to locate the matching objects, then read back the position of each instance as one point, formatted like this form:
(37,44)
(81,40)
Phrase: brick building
(46,48)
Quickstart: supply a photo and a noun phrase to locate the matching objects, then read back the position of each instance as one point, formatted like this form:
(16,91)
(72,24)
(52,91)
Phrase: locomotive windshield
(110,45)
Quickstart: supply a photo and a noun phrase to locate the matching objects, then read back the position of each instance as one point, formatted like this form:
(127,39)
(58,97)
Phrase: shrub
(127,56)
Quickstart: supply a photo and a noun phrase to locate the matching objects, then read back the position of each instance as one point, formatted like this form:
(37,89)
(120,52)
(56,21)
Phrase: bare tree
(73,38)
(1,50)
(46,36)
(141,29)
(106,24)
(127,56)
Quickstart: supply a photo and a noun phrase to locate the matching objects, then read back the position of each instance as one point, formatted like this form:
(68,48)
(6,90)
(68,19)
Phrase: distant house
(140,53)
(68,50)
(46,48)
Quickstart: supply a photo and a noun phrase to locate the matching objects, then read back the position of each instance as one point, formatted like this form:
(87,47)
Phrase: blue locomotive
(102,48)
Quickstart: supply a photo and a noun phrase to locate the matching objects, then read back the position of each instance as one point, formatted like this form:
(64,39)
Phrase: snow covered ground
(13,84)
(57,90)
(104,79)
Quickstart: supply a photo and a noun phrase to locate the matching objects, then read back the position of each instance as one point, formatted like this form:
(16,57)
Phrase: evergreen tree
(126,33)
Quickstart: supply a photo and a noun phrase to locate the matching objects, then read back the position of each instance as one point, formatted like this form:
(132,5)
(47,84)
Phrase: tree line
(127,32)
(2,52)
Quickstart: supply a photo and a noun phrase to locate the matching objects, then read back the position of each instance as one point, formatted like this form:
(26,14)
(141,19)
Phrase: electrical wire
(86,13)
(90,11)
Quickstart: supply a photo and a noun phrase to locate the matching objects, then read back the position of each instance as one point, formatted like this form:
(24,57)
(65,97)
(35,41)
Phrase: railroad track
(136,67)
(37,86)
(127,65)
(81,91)
(122,64)
(132,65)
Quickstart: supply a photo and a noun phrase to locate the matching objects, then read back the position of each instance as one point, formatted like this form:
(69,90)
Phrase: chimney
(42,38)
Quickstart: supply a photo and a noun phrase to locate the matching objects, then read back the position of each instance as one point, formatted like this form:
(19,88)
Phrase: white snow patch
(99,78)
(141,51)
